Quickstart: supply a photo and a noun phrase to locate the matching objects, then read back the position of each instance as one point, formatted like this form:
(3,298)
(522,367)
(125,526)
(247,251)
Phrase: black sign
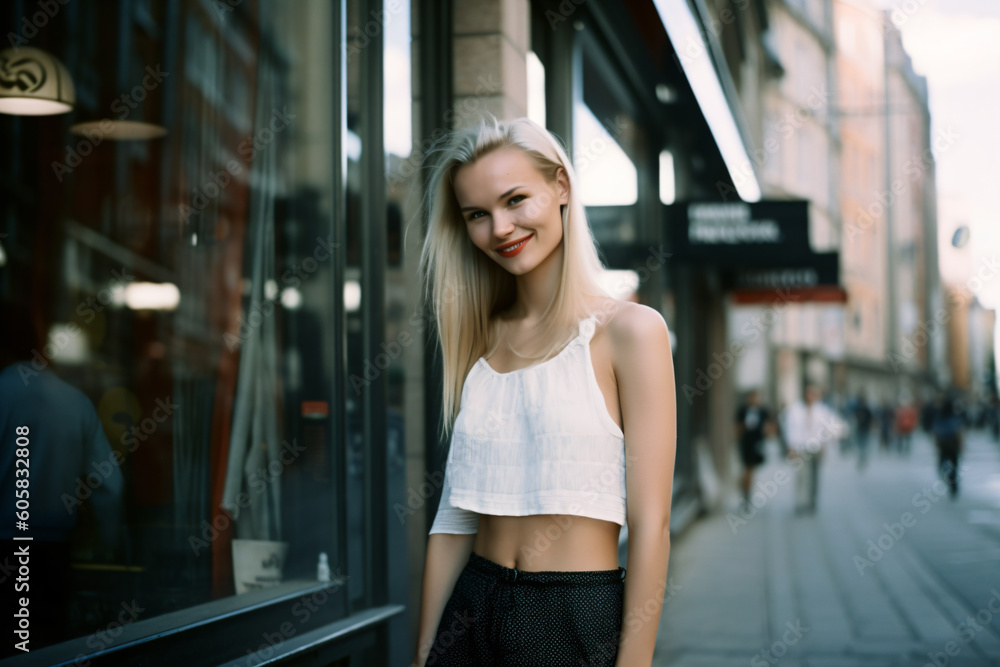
(761,233)
(821,269)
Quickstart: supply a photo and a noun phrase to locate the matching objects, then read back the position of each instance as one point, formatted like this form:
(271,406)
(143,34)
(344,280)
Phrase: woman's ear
(562,185)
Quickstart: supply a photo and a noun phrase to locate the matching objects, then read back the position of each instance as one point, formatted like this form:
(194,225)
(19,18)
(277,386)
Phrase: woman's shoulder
(635,328)
(631,323)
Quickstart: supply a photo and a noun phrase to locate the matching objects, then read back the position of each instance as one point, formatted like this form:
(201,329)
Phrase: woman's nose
(503,224)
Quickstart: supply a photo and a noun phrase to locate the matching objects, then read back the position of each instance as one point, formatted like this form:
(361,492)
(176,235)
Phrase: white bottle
(323,569)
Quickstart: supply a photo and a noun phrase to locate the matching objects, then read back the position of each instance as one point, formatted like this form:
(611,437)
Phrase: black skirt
(502,617)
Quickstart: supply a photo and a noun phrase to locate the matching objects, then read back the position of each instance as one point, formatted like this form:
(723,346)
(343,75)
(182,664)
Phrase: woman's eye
(513,200)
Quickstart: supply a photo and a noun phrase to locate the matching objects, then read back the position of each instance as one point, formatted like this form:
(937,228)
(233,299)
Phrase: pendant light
(33,82)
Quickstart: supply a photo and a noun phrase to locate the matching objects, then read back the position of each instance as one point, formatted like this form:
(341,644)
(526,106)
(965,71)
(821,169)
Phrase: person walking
(810,427)
(947,428)
(995,416)
(906,423)
(863,418)
(752,425)
(886,416)
(551,385)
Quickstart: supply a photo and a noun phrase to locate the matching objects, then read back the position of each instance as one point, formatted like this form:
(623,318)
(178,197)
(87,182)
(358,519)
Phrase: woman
(550,387)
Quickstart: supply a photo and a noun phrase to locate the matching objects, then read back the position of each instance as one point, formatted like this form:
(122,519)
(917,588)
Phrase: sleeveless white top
(537,440)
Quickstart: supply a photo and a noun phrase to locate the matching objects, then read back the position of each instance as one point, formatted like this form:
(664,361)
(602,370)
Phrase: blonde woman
(553,391)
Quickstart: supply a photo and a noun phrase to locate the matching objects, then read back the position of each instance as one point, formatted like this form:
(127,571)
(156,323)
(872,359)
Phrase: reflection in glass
(607,175)
(536,89)
(186,282)
(400,298)
(667,183)
(354,293)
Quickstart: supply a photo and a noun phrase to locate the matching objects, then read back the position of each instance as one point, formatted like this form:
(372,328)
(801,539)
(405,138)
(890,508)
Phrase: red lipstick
(515,247)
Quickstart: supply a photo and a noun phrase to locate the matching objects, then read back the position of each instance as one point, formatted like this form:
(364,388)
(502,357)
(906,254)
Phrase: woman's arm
(448,547)
(447,555)
(644,369)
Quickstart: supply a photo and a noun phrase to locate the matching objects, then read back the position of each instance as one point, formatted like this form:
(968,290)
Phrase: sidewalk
(889,571)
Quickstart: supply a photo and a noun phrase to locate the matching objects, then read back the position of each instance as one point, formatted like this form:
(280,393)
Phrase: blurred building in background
(807,335)
(890,206)
(851,119)
(971,361)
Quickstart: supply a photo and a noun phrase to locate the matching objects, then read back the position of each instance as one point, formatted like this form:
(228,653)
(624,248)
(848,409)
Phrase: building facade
(890,208)
(851,130)
(806,341)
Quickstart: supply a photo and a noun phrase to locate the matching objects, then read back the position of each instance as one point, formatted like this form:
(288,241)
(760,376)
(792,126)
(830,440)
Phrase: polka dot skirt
(502,617)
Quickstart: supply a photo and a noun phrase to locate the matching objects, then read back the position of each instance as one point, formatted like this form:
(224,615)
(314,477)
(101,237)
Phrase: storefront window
(610,146)
(536,88)
(169,248)
(403,326)
(355,292)
(668,186)
(607,176)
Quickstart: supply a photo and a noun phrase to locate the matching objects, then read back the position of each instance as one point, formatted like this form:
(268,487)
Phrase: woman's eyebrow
(471,208)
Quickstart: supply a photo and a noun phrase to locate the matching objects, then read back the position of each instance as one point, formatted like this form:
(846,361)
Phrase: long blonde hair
(465,288)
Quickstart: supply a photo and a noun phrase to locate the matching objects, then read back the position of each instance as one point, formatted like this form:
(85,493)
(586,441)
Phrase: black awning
(760,249)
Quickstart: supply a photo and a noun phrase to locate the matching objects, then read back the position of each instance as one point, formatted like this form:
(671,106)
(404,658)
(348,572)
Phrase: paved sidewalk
(889,572)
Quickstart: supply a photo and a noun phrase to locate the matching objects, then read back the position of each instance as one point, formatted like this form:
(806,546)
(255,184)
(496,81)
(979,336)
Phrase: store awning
(762,233)
(759,248)
(700,56)
(813,277)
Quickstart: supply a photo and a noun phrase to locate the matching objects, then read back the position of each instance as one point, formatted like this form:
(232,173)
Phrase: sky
(956,45)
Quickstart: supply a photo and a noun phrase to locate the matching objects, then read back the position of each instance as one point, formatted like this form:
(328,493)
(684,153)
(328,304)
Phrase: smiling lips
(516,247)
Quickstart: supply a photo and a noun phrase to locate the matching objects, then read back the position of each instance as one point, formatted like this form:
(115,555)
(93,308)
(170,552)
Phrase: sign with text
(759,233)
(822,268)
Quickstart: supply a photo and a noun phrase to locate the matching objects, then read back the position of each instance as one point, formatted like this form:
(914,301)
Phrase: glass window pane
(536,89)
(607,175)
(183,440)
(402,314)
(667,179)
(354,294)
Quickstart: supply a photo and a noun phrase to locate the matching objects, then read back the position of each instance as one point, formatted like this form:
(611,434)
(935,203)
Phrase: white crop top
(536,440)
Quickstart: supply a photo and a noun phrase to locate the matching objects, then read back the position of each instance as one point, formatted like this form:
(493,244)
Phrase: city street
(889,571)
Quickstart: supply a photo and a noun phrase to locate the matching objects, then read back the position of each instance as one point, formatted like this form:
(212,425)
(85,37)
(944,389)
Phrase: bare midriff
(548,542)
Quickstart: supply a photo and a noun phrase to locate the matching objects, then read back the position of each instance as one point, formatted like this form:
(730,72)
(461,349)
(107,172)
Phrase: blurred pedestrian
(927,415)
(863,418)
(948,438)
(810,426)
(752,425)
(906,422)
(886,418)
(995,416)
(850,407)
